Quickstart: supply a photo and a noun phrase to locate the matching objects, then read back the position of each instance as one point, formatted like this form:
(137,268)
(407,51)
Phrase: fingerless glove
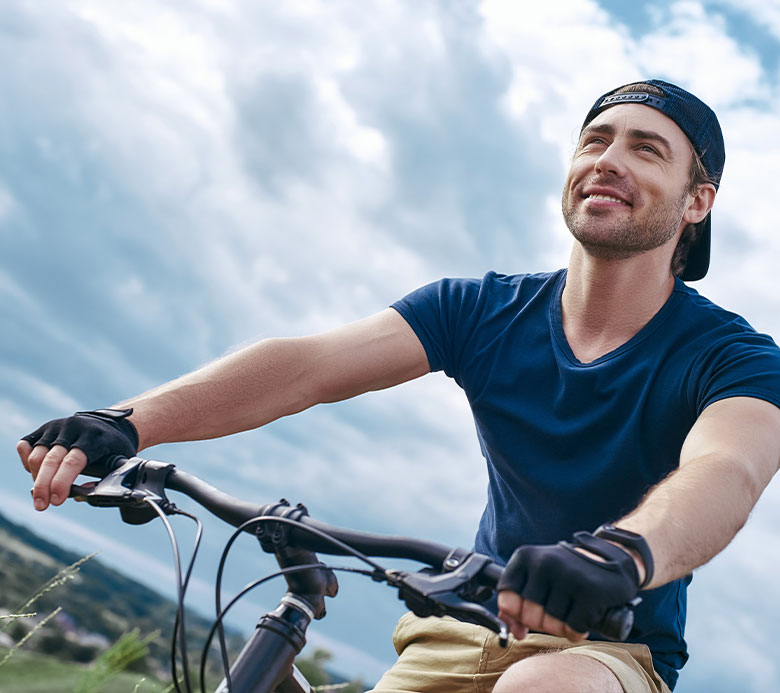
(100,434)
(569,585)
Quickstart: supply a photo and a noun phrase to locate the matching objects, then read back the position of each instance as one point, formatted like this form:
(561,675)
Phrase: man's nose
(611,161)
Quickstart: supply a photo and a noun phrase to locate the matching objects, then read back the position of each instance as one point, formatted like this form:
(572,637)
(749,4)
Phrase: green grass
(27,672)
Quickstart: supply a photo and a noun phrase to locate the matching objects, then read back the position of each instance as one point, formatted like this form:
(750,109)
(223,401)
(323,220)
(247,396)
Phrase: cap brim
(698,261)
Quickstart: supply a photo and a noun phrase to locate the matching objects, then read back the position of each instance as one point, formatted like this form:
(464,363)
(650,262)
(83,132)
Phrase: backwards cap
(700,124)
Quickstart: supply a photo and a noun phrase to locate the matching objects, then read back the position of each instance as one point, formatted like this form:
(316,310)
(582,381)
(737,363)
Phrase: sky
(179,179)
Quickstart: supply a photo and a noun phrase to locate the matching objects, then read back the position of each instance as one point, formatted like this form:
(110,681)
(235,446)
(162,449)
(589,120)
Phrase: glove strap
(110,414)
(630,540)
(119,418)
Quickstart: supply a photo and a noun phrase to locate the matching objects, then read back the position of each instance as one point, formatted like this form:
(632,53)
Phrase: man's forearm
(727,461)
(243,390)
(278,377)
(692,515)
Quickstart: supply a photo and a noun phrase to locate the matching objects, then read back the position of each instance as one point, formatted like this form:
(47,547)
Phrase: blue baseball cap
(700,124)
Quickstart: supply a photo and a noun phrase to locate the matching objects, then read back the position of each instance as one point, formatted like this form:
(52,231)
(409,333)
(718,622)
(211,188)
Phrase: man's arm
(728,458)
(249,388)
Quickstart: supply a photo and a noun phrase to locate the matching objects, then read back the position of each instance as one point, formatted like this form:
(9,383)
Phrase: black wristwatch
(630,540)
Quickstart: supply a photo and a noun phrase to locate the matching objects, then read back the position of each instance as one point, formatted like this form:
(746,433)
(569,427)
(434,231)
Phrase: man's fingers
(23,448)
(573,635)
(45,473)
(509,606)
(532,615)
(536,618)
(35,459)
(510,603)
(523,614)
(516,628)
(553,626)
(70,467)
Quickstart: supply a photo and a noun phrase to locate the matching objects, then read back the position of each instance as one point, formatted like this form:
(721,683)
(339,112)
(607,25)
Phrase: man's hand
(523,615)
(57,452)
(565,589)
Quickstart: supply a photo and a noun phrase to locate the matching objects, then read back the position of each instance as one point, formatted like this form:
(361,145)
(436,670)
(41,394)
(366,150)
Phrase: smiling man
(629,425)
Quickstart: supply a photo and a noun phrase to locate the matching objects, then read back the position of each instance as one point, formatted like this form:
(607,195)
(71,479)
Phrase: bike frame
(266,661)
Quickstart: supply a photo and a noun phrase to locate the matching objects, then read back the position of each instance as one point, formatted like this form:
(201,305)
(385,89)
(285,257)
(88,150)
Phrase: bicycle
(456,582)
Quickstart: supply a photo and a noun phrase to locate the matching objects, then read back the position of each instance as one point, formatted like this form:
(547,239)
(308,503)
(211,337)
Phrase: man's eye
(593,140)
(649,149)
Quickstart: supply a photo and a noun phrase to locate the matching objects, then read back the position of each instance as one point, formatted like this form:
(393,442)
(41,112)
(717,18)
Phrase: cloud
(543,42)
(764,16)
(731,611)
(22,385)
(7,204)
(179,179)
(721,77)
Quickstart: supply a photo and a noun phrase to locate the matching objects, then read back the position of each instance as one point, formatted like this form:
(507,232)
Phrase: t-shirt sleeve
(442,316)
(741,365)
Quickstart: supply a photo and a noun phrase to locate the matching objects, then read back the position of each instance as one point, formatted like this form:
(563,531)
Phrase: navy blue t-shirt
(570,445)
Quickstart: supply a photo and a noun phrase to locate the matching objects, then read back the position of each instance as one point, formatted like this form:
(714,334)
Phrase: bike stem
(266,662)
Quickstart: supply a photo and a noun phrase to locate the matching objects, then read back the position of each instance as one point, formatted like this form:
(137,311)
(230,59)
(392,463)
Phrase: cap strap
(634,97)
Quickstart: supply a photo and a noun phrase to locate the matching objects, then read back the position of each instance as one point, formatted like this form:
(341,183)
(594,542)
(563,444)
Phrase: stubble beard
(619,239)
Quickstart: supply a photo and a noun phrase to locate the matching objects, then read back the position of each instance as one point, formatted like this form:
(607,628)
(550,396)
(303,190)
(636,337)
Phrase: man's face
(627,188)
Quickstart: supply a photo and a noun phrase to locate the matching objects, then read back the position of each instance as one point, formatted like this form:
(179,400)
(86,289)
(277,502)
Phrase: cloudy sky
(181,178)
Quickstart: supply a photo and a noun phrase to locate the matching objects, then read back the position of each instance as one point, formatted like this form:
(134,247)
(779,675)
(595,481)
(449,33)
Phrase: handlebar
(462,581)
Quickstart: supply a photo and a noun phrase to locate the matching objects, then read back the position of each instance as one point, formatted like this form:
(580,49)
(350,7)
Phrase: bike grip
(102,468)
(616,623)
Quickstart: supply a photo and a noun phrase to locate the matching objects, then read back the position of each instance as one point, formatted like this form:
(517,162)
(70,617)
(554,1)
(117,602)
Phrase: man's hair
(697,177)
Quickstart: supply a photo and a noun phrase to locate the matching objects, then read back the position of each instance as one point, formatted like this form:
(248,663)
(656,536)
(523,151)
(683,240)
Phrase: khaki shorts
(442,655)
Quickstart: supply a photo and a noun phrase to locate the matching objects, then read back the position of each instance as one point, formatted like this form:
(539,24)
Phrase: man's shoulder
(724,355)
(511,285)
(493,287)
(697,307)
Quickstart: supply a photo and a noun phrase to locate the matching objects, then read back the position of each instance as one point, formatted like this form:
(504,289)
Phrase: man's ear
(700,203)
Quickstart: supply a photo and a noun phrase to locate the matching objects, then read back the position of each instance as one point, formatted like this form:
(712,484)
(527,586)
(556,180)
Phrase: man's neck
(605,303)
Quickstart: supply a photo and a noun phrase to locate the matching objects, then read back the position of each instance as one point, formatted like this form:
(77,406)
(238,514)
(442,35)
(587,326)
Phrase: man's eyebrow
(653,137)
(602,128)
(634,134)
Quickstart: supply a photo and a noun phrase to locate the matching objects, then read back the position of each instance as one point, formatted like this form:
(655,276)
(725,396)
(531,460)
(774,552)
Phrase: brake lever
(453,605)
(128,487)
(442,594)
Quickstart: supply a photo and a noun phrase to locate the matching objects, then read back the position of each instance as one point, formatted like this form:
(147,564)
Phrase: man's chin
(610,252)
(608,242)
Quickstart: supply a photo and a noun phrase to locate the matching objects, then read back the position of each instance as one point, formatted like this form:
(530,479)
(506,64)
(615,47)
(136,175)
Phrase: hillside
(98,605)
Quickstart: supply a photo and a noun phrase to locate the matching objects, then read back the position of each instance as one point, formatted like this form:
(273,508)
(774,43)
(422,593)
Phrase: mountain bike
(456,582)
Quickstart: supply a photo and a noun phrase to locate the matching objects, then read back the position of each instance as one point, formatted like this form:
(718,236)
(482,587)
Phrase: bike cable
(256,583)
(196,546)
(379,573)
(181,588)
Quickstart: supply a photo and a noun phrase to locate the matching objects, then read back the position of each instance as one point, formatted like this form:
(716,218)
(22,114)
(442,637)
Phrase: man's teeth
(605,197)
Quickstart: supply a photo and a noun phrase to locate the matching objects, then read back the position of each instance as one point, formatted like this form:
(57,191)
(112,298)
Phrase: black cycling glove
(569,585)
(100,434)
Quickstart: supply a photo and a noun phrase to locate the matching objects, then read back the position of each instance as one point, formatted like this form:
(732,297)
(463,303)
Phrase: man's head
(648,162)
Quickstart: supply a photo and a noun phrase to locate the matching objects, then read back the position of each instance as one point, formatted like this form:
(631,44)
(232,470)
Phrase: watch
(630,540)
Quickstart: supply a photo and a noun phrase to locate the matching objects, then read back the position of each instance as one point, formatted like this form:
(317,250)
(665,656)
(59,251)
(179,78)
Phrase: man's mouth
(608,198)
(605,198)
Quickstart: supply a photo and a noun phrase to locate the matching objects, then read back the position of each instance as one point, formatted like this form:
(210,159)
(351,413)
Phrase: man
(606,393)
